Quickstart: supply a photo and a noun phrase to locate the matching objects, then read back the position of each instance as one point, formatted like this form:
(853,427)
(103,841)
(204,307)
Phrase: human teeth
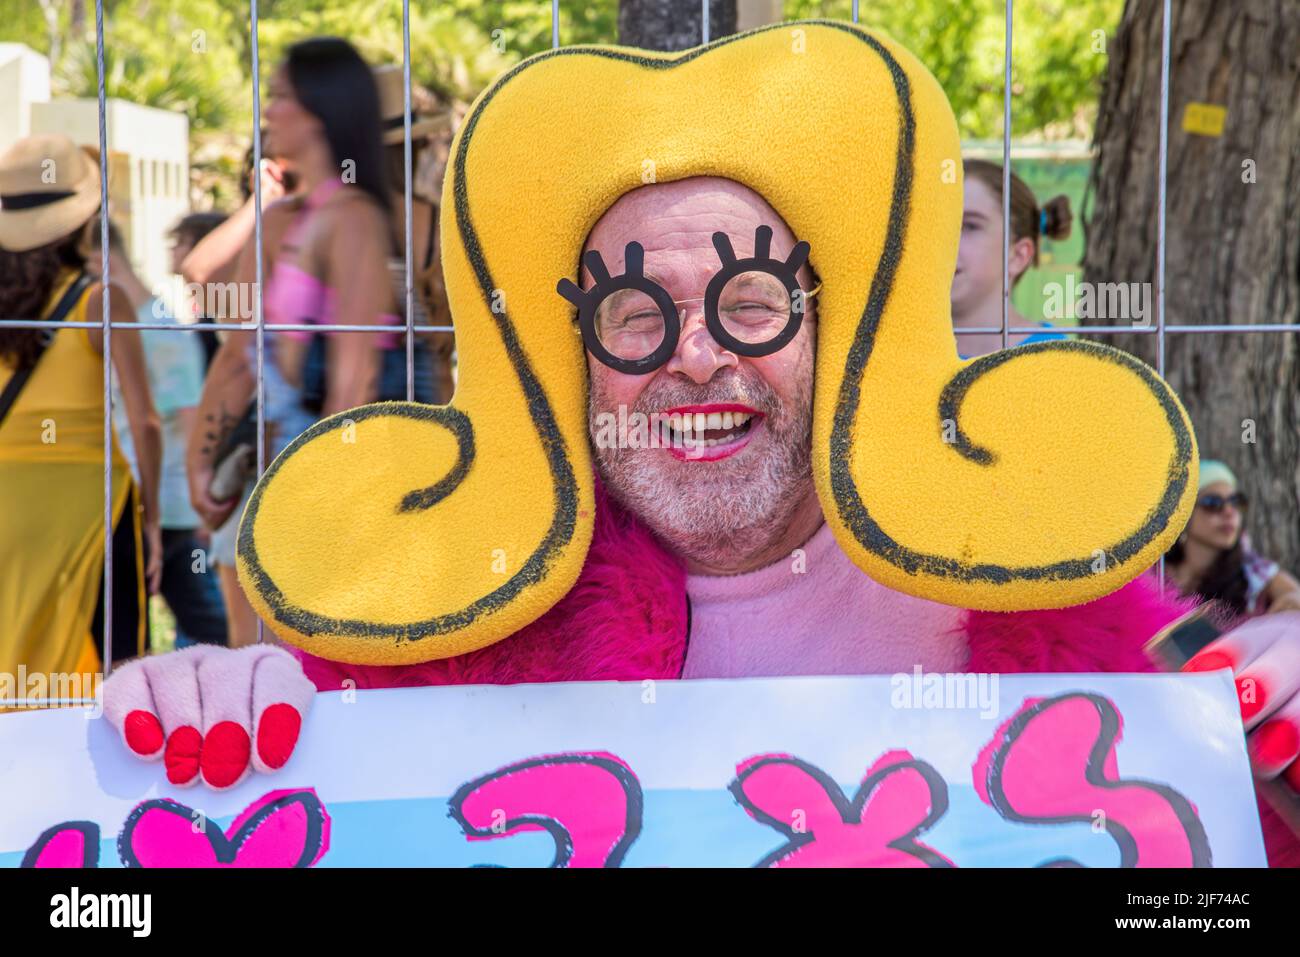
(688,428)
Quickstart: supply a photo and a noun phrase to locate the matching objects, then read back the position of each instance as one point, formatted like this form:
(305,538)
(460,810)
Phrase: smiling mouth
(708,433)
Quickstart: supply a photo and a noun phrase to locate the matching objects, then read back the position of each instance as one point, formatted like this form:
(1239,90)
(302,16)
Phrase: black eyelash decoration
(762,261)
(633,277)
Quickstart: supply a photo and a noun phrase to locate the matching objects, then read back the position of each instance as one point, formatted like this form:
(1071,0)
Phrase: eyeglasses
(752,307)
(1214,503)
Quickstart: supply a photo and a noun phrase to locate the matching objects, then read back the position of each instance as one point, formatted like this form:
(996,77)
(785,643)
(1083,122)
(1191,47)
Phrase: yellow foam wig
(1043,476)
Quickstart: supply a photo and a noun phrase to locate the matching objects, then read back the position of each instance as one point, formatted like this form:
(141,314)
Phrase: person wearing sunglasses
(1212,558)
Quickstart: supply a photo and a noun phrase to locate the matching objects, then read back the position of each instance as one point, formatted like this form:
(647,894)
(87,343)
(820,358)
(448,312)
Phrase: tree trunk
(50,11)
(1232,230)
(672,24)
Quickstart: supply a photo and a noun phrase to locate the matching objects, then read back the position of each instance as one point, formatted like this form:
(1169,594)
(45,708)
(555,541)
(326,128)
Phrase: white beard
(713,512)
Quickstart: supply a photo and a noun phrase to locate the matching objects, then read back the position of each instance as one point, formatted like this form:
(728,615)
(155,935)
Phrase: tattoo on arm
(216,427)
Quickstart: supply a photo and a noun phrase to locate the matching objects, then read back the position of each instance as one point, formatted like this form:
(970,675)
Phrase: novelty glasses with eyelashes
(752,306)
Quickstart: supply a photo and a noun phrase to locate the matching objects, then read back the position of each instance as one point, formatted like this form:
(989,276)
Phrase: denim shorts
(191,591)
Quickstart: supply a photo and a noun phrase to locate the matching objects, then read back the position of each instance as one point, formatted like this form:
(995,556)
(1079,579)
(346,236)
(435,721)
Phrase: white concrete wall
(24,80)
(155,146)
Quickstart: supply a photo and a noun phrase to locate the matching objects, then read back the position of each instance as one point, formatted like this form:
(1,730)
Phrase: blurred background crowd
(184,191)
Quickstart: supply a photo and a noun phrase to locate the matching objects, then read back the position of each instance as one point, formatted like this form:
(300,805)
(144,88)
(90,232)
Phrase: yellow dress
(52,511)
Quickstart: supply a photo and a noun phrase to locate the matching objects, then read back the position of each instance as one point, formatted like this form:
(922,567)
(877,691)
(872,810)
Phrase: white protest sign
(909,770)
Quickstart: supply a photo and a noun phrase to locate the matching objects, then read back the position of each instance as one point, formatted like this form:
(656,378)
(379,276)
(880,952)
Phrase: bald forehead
(674,222)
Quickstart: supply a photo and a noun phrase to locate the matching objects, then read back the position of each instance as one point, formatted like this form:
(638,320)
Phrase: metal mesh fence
(1160,329)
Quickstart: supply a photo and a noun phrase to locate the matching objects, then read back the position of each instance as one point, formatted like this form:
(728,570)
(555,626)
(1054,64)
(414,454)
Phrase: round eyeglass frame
(589,301)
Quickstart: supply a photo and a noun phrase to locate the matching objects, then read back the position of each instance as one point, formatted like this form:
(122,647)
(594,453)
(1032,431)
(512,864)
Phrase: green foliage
(458,46)
(195,56)
(24,22)
(1056,66)
(169,74)
(525,25)
(449,54)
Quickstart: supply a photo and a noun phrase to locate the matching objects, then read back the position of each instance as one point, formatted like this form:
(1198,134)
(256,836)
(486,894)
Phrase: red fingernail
(277,733)
(182,755)
(225,754)
(1209,661)
(1250,692)
(1275,743)
(1292,776)
(143,733)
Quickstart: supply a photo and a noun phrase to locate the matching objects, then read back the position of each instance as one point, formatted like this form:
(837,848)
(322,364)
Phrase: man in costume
(744,252)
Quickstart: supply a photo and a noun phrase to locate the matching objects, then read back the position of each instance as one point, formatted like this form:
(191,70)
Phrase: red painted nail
(1209,661)
(1292,776)
(225,754)
(143,733)
(277,733)
(1275,743)
(1251,694)
(182,755)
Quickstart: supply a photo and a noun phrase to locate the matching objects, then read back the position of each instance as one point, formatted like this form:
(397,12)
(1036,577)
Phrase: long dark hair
(26,282)
(1225,580)
(335,85)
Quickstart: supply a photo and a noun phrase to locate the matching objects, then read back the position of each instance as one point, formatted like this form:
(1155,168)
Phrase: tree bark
(672,24)
(77,19)
(50,11)
(1233,245)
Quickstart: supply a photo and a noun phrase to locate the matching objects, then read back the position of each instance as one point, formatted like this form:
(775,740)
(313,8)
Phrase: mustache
(747,389)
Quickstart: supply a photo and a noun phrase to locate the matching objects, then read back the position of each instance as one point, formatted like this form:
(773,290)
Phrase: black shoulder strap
(433,238)
(19,378)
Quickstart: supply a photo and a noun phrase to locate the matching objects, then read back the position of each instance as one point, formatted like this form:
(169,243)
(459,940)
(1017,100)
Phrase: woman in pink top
(325,262)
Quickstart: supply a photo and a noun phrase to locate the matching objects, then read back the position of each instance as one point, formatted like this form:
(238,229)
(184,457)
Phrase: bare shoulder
(118,303)
(352,223)
(353,207)
(119,309)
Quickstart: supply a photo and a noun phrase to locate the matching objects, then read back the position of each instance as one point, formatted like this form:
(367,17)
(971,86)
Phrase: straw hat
(392,108)
(49,187)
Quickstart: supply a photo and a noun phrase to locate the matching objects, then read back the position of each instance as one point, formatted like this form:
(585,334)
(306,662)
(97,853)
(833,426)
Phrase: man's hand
(1264,655)
(211,712)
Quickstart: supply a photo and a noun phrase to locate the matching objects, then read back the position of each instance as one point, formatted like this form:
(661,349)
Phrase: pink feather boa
(1102,635)
(627,619)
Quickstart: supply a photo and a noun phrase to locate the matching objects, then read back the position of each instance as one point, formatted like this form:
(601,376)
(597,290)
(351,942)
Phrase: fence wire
(1160,329)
